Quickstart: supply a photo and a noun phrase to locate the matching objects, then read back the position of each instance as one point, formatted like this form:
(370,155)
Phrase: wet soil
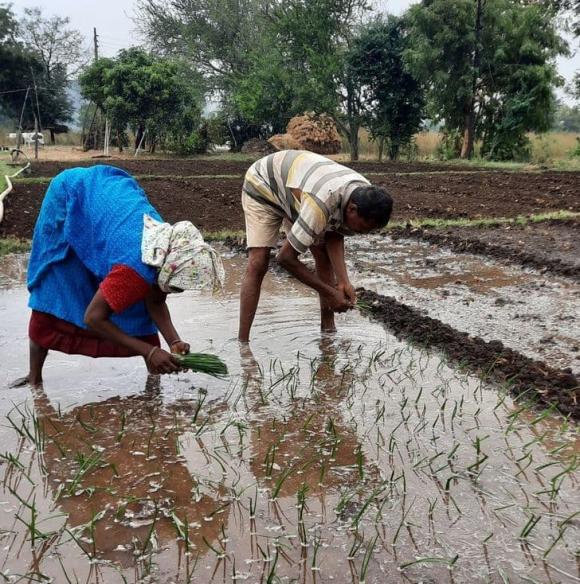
(189,167)
(492,360)
(552,246)
(214,204)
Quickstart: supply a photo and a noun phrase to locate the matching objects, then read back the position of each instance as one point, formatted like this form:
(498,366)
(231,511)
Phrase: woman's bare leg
(37,358)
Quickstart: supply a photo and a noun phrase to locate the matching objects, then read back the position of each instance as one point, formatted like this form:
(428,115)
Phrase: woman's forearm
(159,313)
(97,318)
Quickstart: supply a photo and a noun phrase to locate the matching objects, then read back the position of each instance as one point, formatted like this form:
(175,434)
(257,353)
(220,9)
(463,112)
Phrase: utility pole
(96,43)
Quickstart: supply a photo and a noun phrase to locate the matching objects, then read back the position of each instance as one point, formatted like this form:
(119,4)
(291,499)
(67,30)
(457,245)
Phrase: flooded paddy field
(355,457)
(536,314)
(549,246)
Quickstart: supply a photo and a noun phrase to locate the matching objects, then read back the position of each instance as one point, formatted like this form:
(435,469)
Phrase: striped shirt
(326,187)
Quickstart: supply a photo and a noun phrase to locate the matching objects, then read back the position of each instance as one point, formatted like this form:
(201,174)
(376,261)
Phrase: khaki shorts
(262,223)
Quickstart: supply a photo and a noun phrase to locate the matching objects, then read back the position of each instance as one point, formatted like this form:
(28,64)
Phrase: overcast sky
(116,30)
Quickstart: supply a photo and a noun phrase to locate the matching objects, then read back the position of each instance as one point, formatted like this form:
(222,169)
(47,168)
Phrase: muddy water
(532,313)
(341,458)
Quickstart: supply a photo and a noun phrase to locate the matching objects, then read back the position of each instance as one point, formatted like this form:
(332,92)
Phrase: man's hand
(161,361)
(347,289)
(180,347)
(337,301)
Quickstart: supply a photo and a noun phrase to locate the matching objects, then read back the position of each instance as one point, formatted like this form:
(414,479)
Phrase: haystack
(316,133)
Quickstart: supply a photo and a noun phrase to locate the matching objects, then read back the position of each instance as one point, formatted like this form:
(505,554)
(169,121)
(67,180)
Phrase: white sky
(116,30)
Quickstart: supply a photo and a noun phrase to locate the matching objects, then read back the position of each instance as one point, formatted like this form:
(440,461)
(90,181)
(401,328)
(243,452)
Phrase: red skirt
(55,334)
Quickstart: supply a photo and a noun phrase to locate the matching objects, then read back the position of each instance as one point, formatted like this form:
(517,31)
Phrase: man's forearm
(300,271)
(335,249)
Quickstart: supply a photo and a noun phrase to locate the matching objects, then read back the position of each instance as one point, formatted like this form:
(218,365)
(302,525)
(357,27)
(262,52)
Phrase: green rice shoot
(204,363)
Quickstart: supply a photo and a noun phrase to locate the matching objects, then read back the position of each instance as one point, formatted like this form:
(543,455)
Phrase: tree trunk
(468,132)
(139,136)
(469,110)
(381,147)
(353,142)
(52,138)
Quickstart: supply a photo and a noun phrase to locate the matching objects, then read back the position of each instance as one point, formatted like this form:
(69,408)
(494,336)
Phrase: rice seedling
(450,562)
(203,363)
(366,560)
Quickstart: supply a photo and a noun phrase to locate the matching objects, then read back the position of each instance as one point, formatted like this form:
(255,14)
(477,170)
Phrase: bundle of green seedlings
(203,363)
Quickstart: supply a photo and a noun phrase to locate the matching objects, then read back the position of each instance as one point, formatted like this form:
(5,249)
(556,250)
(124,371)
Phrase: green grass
(486,221)
(4,169)
(14,245)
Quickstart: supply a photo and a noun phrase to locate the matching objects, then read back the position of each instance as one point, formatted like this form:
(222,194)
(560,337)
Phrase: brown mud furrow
(472,245)
(492,360)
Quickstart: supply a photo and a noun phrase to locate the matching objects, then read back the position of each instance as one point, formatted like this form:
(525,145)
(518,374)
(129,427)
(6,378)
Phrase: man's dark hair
(373,204)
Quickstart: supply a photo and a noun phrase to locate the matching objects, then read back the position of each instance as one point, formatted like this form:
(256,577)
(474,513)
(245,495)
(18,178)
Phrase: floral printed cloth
(184,260)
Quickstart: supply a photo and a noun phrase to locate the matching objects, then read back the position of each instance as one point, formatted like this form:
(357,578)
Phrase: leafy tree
(393,98)
(313,38)
(490,69)
(15,64)
(55,54)
(216,36)
(158,96)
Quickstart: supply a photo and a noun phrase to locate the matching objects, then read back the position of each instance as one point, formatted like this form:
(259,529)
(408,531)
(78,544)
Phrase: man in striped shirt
(319,202)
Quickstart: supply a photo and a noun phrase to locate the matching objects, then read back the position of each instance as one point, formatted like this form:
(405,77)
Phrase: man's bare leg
(326,274)
(37,359)
(258,261)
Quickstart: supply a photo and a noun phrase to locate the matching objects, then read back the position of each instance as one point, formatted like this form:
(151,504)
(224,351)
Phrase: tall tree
(215,36)
(57,46)
(314,38)
(488,64)
(392,97)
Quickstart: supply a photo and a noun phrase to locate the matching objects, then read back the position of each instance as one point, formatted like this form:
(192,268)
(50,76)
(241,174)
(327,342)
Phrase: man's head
(368,208)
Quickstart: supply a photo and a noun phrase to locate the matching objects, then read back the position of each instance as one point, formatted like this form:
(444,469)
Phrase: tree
(160,97)
(313,38)
(489,67)
(215,36)
(58,47)
(392,97)
(56,54)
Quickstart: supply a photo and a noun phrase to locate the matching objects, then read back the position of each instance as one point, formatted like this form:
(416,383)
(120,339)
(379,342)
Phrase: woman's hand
(180,347)
(159,361)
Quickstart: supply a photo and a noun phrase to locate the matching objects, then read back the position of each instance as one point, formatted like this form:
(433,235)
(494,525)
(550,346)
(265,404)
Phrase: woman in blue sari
(101,266)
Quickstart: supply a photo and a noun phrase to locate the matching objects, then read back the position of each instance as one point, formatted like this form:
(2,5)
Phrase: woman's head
(184,260)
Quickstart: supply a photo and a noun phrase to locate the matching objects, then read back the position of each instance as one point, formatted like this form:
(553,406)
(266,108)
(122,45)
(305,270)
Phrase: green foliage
(23,64)
(567,118)
(392,97)
(158,96)
(503,72)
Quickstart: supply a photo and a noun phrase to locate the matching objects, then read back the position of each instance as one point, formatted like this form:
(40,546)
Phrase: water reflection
(115,468)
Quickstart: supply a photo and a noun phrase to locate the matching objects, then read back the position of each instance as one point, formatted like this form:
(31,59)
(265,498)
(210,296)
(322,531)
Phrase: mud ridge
(492,359)
(476,246)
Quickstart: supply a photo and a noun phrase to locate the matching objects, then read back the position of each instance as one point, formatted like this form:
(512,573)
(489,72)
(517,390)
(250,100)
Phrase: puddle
(342,458)
(529,312)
